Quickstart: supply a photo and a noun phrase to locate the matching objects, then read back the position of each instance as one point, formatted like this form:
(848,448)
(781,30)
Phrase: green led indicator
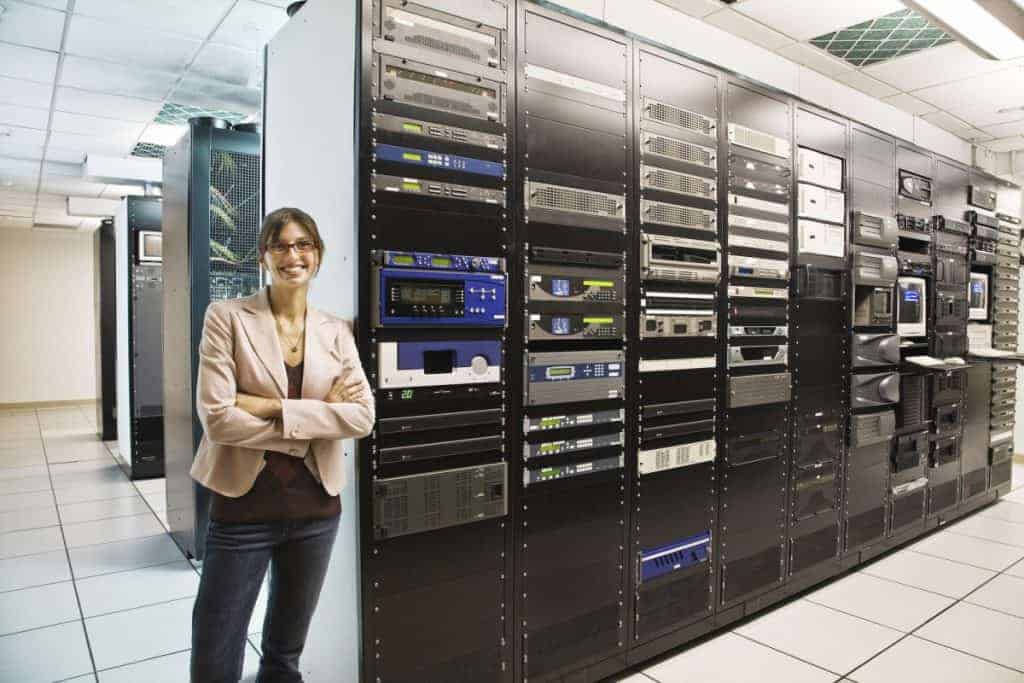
(412,156)
(598,321)
(412,128)
(406,394)
(550,421)
(598,283)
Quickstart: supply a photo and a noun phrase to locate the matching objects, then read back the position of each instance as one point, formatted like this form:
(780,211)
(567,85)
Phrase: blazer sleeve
(223,421)
(316,419)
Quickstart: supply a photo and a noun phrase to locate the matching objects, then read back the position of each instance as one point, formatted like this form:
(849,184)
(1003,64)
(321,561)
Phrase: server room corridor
(92,588)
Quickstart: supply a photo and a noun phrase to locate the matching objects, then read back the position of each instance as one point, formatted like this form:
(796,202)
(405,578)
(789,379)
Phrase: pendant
(295,349)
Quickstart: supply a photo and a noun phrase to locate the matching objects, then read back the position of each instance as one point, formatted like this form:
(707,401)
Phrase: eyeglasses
(301,246)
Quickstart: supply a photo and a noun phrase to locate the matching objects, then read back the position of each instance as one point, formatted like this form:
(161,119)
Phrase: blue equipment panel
(674,557)
(447,162)
(438,298)
(429,261)
(571,371)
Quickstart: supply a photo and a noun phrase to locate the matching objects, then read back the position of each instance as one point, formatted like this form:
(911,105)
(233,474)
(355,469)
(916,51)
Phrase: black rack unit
(211,222)
(697,410)
(106,330)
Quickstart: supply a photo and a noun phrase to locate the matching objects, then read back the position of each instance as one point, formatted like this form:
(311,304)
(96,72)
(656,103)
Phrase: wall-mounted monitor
(150,247)
(977,294)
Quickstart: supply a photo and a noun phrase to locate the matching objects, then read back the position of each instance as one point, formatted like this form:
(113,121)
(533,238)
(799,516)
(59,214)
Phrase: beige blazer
(240,352)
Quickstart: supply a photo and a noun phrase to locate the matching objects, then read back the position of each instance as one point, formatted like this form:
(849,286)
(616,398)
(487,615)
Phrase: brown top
(285,488)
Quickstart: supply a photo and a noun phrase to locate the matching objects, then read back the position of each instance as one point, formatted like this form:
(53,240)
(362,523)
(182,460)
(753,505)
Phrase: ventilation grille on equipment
(679,216)
(571,200)
(670,148)
(912,400)
(234,224)
(762,142)
(680,118)
(679,183)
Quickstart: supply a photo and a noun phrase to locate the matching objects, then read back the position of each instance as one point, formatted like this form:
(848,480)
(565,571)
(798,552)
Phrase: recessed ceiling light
(972,23)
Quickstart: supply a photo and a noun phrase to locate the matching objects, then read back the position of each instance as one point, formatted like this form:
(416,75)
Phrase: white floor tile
(88,678)
(36,607)
(30,518)
(123,556)
(969,550)
(82,494)
(730,658)
(74,452)
(1016,495)
(990,529)
(975,630)
(22,472)
(34,570)
(883,602)
(112,530)
(30,542)
(819,635)
(21,458)
(128,590)
(38,482)
(156,501)
(151,485)
(1006,510)
(23,501)
(101,509)
(635,678)
(59,470)
(929,573)
(172,669)
(1003,594)
(1017,569)
(109,473)
(58,652)
(134,635)
(914,659)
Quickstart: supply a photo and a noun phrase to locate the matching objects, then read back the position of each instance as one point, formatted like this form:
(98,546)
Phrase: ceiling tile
(52,4)
(910,104)
(162,134)
(197,91)
(85,144)
(1005,130)
(12,222)
(250,25)
(110,106)
(982,114)
(230,64)
(26,117)
(16,211)
(195,18)
(805,19)
(993,91)
(695,8)
(90,74)
(83,124)
(952,124)
(25,93)
(119,191)
(745,27)
(930,67)
(71,156)
(30,25)
(22,136)
(51,201)
(814,58)
(1009,144)
(16,150)
(867,84)
(122,43)
(18,174)
(27,63)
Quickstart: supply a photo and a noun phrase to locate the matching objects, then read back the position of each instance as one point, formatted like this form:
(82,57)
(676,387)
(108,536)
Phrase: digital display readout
(440,262)
(429,295)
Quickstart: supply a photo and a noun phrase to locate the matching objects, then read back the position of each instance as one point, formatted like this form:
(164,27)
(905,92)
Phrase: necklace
(294,343)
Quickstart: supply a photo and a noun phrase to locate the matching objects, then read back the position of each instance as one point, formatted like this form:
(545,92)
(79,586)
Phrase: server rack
(211,222)
(144,457)
(676,243)
(106,330)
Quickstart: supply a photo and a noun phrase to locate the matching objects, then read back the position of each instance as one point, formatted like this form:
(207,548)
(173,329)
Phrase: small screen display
(424,294)
(153,246)
(403,260)
(559,287)
(560,325)
(441,82)
(560,372)
(440,262)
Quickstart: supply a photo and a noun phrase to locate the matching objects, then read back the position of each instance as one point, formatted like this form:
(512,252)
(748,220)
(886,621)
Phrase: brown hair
(275,222)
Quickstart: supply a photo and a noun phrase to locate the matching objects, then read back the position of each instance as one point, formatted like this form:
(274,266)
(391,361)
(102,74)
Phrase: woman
(280,384)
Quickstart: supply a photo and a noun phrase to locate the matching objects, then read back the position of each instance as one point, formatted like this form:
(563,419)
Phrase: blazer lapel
(259,325)
(320,341)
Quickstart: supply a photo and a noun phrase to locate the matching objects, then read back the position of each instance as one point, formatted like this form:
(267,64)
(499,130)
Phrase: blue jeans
(237,556)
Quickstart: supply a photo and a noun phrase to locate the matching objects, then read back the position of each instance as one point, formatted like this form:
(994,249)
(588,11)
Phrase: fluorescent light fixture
(162,134)
(974,25)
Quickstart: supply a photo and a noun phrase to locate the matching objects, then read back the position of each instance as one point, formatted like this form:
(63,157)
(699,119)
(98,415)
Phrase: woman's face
(292,259)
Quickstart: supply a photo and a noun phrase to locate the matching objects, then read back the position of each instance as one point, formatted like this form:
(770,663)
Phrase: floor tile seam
(966,564)
(140,661)
(30,507)
(29,528)
(992,609)
(876,655)
(1000,519)
(969,654)
(123,571)
(72,620)
(910,585)
(783,652)
(100,500)
(121,540)
(38,585)
(143,606)
(67,558)
(953,530)
(18,493)
(870,621)
(94,521)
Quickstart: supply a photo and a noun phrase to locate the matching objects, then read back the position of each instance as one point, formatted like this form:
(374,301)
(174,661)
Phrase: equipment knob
(479,365)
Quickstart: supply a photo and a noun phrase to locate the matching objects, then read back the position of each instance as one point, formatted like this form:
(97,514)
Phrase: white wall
(47,317)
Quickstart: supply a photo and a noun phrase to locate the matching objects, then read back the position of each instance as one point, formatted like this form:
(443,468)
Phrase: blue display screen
(911,295)
(977,288)
(559,287)
(560,325)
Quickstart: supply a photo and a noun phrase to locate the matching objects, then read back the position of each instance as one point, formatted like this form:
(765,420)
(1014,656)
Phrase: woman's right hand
(342,391)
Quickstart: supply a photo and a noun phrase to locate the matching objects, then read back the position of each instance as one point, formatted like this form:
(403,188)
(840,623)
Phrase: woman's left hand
(266,408)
